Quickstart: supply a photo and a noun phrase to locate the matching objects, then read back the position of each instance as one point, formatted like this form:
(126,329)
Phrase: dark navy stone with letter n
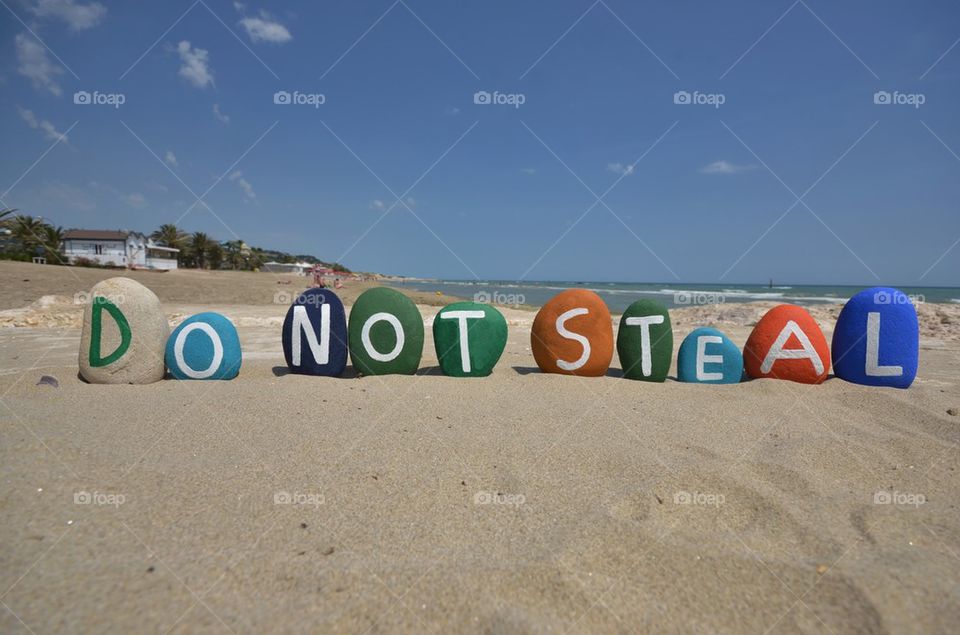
(315,334)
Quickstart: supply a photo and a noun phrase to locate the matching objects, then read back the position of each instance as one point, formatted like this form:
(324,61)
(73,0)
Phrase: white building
(297,268)
(118,248)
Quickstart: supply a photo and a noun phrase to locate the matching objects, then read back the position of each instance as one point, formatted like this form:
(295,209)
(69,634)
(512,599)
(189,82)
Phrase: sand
(521,502)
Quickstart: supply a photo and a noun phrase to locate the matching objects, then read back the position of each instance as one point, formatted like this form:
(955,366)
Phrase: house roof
(94,234)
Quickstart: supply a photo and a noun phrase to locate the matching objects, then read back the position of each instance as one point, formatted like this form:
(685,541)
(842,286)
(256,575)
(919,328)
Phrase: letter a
(777,351)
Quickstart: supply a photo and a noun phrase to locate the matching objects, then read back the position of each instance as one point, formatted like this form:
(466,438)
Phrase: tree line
(24,237)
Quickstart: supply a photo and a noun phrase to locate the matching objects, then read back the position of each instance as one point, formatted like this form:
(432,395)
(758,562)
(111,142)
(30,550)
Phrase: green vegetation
(203,252)
(24,237)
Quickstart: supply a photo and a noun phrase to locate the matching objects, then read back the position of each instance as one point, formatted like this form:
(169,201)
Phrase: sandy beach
(520,502)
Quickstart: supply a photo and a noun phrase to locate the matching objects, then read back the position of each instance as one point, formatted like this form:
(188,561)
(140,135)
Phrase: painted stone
(124,334)
(572,334)
(645,341)
(204,346)
(787,344)
(386,333)
(314,334)
(877,339)
(469,338)
(707,356)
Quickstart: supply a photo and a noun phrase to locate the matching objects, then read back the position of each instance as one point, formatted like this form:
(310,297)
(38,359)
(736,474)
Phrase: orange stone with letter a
(573,335)
(787,343)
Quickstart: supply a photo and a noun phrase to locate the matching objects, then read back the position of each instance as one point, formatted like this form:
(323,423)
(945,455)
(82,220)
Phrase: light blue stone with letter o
(204,346)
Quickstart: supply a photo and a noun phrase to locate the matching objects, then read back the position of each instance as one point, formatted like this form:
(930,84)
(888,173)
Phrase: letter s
(562,330)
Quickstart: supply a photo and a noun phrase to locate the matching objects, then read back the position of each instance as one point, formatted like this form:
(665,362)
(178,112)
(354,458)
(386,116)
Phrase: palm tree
(215,255)
(51,240)
(233,250)
(256,259)
(27,231)
(169,235)
(199,244)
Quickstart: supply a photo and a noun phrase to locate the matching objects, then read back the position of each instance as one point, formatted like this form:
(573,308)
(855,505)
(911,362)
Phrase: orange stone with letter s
(573,335)
(800,351)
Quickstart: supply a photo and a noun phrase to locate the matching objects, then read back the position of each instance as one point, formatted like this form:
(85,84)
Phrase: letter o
(368,345)
(217,350)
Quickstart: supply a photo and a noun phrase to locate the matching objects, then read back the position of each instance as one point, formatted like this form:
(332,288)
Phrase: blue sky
(701,192)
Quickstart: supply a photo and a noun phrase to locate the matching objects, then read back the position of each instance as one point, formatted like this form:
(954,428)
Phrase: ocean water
(619,295)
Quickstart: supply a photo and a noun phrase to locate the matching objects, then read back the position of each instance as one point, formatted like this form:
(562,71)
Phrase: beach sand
(520,502)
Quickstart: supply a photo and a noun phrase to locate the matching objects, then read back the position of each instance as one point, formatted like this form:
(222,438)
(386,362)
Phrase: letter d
(96,329)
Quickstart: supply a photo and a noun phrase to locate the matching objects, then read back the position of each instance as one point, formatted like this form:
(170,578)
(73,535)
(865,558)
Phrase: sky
(805,141)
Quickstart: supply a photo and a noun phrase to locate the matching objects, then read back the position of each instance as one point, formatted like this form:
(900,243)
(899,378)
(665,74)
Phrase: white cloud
(219,115)
(60,195)
(77,16)
(378,205)
(411,202)
(529,170)
(265,29)
(35,64)
(237,177)
(239,6)
(621,169)
(452,110)
(195,66)
(725,167)
(170,158)
(136,199)
(42,124)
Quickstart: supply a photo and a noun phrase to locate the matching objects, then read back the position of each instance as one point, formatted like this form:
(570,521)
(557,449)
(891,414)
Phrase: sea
(619,295)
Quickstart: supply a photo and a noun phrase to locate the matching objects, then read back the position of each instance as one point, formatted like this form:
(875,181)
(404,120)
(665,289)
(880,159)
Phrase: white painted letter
(368,345)
(302,326)
(217,350)
(461,317)
(874,369)
(807,352)
(703,358)
(562,330)
(644,324)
